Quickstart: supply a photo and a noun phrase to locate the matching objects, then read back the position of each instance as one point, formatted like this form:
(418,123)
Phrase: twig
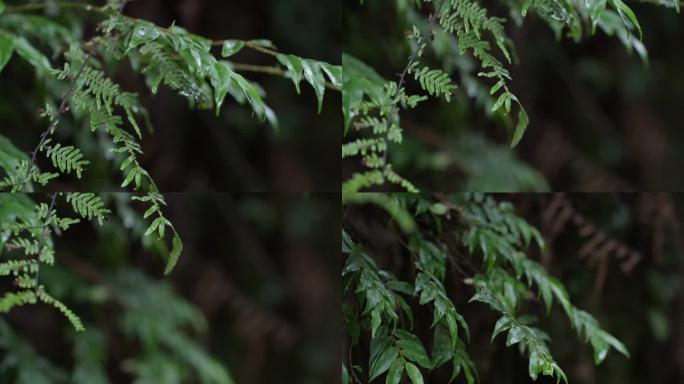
(272,70)
(64,5)
(432,19)
(657,2)
(43,236)
(104,11)
(62,109)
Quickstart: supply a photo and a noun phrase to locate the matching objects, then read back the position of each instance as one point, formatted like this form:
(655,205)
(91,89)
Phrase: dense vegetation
(61,66)
(437,91)
(476,288)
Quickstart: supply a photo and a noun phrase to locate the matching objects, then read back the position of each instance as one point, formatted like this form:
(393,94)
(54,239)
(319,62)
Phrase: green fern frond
(361,180)
(15,267)
(68,313)
(30,247)
(435,81)
(66,158)
(11,300)
(363,146)
(88,205)
(159,225)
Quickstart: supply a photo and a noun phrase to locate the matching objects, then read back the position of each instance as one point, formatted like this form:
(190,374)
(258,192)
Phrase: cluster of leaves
(169,56)
(172,57)
(494,240)
(27,244)
(371,104)
(151,314)
(77,79)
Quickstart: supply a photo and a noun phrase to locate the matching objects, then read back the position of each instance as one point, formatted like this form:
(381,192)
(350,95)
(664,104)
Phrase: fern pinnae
(435,82)
(88,206)
(68,313)
(66,158)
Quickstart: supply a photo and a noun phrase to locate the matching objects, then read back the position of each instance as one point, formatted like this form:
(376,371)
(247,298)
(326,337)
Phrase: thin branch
(63,107)
(104,11)
(272,70)
(43,237)
(657,2)
(63,5)
(250,44)
(432,19)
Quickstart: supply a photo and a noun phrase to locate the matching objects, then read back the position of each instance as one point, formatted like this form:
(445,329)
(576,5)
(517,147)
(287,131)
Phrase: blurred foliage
(254,293)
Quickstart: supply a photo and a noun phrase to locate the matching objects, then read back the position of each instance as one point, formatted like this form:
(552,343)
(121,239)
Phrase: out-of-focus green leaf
(231,47)
(6,49)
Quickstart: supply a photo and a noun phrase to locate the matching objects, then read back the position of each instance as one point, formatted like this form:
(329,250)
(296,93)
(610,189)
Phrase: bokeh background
(621,257)
(256,290)
(602,119)
(193,150)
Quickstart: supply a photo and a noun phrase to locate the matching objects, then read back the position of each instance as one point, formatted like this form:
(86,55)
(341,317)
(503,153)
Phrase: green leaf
(334,73)
(231,47)
(252,94)
(500,101)
(520,128)
(176,249)
(6,48)
(143,32)
(313,75)
(345,375)
(263,43)
(2,6)
(221,80)
(376,320)
(383,362)
(294,68)
(503,324)
(10,156)
(615,343)
(412,349)
(32,55)
(358,79)
(535,366)
(514,335)
(623,9)
(395,372)
(414,373)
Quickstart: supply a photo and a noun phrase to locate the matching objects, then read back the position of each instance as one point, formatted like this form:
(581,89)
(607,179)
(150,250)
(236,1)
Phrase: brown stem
(53,124)
(63,5)
(43,236)
(272,70)
(432,19)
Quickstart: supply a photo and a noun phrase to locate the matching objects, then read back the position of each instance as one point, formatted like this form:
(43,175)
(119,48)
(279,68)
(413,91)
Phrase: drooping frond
(68,313)
(16,299)
(159,225)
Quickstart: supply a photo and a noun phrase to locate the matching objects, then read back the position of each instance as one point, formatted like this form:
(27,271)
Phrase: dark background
(193,150)
(261,269)
(600,118)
